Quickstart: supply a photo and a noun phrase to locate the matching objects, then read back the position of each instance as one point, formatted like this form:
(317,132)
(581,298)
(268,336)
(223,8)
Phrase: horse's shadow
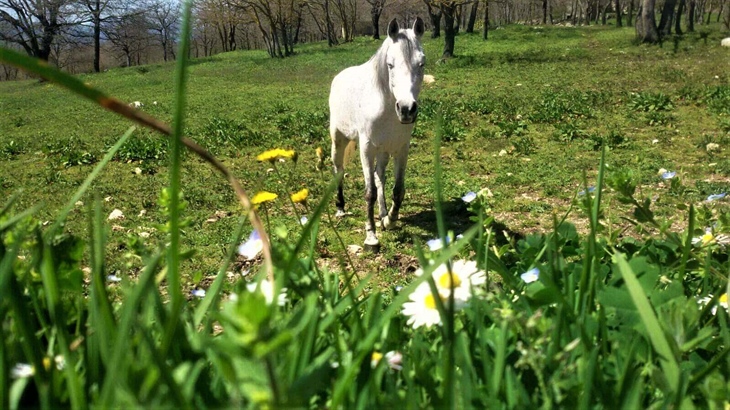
(457,219)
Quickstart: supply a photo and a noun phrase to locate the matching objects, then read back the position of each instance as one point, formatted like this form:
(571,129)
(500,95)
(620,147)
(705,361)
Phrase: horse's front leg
(339,148)
(381,163)
(399,188)
(368,169)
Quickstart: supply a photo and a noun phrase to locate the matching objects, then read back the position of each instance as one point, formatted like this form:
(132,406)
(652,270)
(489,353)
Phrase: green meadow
(523,119)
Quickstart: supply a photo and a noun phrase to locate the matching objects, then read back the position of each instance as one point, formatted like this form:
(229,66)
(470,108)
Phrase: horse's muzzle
(407,113)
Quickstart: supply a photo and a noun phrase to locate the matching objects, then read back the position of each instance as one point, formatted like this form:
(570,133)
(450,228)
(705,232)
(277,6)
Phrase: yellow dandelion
(300,196)
(320,159)
(277,153)
(263,196)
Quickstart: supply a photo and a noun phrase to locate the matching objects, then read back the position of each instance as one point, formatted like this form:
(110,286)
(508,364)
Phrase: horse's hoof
(374,248)
(387,223)
(340,213)
(372,244)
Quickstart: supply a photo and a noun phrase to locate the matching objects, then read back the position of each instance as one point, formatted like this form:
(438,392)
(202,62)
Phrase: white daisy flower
(267,289)
(464,276)
(394,359)
(422,308)
(722,301)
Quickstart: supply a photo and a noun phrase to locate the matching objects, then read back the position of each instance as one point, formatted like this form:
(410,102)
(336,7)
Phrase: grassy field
(524,115)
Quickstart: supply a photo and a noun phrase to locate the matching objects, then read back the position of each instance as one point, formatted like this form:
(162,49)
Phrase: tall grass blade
(651,323)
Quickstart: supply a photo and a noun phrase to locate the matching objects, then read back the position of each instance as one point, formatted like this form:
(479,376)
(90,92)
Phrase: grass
(619,311)
(511,93)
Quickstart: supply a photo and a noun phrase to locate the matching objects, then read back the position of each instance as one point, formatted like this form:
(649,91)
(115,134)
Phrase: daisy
(421,308)
(531,275)
(252,247)
(267,289)
(463,277)
(722,301)
(394,359)
(198,293)
(705,239)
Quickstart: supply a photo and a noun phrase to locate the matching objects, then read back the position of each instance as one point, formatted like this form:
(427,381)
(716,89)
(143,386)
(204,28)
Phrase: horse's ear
(418,27)
(393,29)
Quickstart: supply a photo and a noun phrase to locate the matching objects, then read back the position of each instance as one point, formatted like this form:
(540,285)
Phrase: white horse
(375,104)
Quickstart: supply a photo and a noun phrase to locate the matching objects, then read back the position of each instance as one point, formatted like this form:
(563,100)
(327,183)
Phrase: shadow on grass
(457,218)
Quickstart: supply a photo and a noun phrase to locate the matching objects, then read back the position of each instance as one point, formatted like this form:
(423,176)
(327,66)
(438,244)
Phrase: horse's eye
(390,65)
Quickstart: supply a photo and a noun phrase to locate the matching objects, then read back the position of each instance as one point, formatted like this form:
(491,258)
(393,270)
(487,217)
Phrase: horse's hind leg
(340,145)
(399,188)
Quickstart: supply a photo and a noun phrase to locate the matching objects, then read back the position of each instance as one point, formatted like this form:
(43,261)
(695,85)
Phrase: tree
(665,22)
(472,17)
(486,19)
(617,6)
(434,13)
(323,20)
(449,10)
(164,19)
(34,24)
(646,29)
(677,24)
(376,9)
(277,21)
(97,12)
(129,34)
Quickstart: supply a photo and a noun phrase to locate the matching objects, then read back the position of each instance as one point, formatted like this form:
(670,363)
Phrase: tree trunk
(544,11)
(665,23)
(630,17)
(486,19)
(677,24)
(472,17)
(691,16)
(434,13)
(617,4)
(97,39)
(646,29)
(709,13)
(448,12)
(375,12)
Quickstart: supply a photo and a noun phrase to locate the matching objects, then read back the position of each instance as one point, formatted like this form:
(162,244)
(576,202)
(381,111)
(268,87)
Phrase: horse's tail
(349,149)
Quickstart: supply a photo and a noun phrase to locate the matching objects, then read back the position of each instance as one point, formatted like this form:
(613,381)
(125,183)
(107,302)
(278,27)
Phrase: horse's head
(405,60)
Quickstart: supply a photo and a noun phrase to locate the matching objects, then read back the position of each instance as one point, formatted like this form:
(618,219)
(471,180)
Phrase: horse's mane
(378,59)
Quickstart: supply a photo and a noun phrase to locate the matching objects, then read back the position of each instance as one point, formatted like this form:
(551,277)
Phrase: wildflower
(469,197)
(722,301)
(113,278)
(705,239)
(198,293)
(436,244)
(531,275)
(252,247)
(277,153)
(715,197)
(590,189)
(22,371)
(263,196)
(422,308)
(320,159)
(267,289)
(668,175)
(462,277)
(393,358)
(300,196)
(303,220)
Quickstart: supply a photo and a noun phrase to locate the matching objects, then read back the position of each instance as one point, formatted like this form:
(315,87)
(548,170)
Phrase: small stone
(116,214)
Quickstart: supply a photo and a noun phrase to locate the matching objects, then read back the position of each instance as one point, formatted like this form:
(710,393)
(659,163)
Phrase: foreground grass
(549,97)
